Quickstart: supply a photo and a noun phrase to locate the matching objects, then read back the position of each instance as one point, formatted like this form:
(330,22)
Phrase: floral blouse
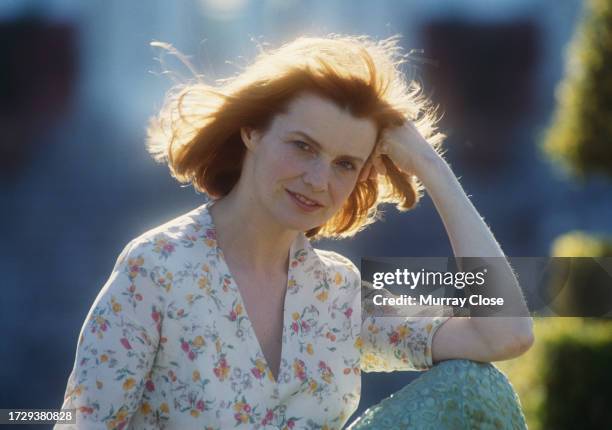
(167,343)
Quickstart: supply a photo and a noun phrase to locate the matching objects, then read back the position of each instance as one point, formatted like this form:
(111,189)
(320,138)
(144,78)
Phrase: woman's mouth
(304,202)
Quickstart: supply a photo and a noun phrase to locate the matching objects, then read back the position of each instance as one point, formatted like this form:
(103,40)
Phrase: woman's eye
(302,145)
(347,165)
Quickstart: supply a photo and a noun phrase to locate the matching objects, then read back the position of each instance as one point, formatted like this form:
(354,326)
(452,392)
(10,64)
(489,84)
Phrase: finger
(373,172)
(382,148)
(365,172)
(379,166)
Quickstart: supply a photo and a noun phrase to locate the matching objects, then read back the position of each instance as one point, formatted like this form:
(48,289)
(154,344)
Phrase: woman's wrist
(432,170)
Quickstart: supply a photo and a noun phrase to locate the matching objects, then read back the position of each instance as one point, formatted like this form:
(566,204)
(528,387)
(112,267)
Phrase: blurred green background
(565,380)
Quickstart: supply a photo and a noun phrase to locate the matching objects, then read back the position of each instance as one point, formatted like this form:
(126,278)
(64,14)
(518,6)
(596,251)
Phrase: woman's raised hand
(405,147)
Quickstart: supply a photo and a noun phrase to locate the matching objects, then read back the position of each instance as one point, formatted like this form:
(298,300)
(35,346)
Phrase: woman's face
(304,167)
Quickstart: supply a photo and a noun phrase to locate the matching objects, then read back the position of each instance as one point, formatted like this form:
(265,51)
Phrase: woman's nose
(317,176)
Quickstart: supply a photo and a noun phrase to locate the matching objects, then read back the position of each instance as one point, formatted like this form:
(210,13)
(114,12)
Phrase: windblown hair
(197,131)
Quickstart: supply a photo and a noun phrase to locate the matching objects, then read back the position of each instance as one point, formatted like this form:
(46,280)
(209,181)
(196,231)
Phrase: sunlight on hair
(197,130)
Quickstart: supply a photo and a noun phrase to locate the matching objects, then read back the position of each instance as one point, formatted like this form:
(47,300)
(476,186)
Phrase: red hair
(197,132)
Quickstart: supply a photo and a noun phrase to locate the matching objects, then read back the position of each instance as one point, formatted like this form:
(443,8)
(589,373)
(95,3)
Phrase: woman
(227,316)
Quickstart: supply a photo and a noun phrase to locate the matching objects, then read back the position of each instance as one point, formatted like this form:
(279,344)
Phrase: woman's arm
(477,338)
(116,347)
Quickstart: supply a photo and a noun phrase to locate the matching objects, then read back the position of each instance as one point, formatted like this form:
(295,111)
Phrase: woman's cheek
(338,193)
(346,184)
(286,165)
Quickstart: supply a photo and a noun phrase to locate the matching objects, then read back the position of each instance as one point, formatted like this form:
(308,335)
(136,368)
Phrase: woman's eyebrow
(318,145)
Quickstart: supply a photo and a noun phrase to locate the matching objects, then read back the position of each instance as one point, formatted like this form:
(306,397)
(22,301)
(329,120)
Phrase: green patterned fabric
(454,394)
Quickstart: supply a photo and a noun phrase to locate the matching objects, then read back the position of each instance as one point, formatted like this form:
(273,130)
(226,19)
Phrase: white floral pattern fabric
(167,344)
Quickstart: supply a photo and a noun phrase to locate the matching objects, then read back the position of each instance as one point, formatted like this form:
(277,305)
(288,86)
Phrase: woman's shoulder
(183,231)
(336,261)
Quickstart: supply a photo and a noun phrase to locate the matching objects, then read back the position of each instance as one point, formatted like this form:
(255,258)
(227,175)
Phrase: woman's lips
(302,204)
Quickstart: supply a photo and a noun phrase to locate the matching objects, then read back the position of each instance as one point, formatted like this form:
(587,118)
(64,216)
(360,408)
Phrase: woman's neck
(245,233)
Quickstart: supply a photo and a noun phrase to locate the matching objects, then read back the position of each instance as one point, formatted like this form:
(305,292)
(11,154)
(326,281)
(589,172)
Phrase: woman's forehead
(329,125)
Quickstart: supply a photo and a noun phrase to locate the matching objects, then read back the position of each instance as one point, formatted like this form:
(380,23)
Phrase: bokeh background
(79,80)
